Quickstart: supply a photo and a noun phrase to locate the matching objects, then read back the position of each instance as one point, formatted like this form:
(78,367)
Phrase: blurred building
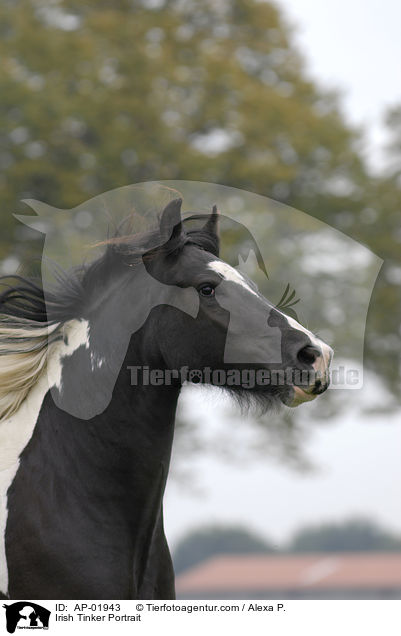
(339,575)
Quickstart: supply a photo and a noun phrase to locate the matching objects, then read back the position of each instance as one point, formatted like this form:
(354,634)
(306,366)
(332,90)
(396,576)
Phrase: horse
(88,396)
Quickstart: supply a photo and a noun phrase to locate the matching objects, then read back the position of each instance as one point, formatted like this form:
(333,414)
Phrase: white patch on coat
(230,274)
(17,430)
(97,361)
(76,334)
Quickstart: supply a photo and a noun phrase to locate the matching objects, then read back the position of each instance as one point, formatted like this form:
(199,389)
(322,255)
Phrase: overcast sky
(353,45)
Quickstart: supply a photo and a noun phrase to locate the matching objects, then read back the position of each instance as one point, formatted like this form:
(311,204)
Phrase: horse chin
(297,396)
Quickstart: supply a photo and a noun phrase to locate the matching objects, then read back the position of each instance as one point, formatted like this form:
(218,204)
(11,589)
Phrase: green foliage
(199,545)
(100,94)
(354,535)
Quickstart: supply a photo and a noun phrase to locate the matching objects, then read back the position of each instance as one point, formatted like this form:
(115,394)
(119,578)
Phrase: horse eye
(206,290)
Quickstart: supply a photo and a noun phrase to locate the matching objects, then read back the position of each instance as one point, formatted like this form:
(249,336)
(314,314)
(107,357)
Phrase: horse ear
(212,224)
(170,222)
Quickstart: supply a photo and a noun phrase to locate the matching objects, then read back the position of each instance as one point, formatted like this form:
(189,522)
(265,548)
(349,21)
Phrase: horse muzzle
(319,359)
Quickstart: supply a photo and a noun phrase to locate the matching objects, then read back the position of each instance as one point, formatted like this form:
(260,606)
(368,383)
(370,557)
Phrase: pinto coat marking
(17,430)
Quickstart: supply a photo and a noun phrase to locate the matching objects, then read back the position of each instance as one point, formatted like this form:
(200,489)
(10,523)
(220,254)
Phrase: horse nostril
(308,354)
(317,389)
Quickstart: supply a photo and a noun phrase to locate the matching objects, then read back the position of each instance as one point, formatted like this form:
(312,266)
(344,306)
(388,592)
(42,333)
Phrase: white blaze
(229,273)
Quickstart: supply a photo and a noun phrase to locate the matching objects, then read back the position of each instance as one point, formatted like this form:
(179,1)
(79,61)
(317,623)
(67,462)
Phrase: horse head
(178,306)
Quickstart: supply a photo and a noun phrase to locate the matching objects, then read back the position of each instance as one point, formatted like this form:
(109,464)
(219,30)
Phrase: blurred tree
(354,535)
(199,545)
(393,121)
(382,232)
(99,94)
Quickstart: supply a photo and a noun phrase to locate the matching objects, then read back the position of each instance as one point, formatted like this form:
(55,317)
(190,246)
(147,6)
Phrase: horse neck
(103,480)
(140,420)
(123,453)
